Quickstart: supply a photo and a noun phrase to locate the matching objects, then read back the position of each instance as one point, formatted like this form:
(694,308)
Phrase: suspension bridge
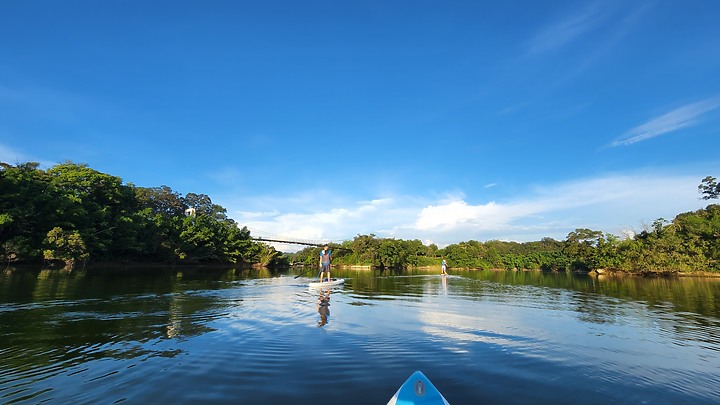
(289,240)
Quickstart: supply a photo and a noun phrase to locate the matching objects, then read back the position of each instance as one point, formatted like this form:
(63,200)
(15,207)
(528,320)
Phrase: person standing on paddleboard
(325,259)
(443,266)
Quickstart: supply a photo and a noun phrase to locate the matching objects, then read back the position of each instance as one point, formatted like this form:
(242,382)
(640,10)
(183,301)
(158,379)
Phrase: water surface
(249,336)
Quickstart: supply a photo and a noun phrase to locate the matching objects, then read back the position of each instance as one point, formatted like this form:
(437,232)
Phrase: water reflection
(92,337)
(54,321)
(323,307)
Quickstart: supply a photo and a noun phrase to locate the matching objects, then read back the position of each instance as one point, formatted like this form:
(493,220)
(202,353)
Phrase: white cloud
(677,119)
(320,225)
(457,213)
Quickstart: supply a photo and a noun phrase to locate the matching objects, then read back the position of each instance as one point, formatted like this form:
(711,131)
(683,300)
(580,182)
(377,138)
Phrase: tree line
(73,214)
(689,243)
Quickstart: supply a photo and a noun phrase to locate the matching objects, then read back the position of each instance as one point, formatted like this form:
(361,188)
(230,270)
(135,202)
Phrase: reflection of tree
(56,284)
(686,307)
(53,317)
(596,309)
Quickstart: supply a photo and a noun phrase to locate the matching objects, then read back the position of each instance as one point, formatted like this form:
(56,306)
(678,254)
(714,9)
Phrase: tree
(202,204)
(580,247)
(701,230)
(66,246)
(709,188)
(71,212)
(28,206)
(161,200)
(365,249)
(606,255)
(95,204)
(238,246)
(392,254)
(159,215)
(267,255)
(465,255)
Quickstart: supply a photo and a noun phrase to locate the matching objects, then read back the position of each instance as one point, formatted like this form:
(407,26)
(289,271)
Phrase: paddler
(325,259)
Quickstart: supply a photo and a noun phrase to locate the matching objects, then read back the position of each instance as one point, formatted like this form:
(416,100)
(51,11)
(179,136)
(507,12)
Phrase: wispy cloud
(567,30)
(675,120)
(564,48)
(12,156)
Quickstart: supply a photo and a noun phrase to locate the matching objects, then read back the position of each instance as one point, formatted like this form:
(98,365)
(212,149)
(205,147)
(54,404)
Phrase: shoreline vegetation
(71,216)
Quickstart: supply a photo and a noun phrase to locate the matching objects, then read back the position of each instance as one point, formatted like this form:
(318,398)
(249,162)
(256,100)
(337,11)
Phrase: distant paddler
(443,267)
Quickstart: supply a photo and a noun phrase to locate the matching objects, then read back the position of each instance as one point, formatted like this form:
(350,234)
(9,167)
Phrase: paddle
(303,273)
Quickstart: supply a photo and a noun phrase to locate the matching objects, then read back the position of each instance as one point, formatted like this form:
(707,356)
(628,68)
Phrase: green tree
(365,249)
(160,200)
(709,188)
(607,253)
(158,216)
(200,238)
(463,255)
(580,247)
(392,255)
(66,246)
(701,230)
(28,207)
(111,220)
(96,205)
(267,256)
(239,247)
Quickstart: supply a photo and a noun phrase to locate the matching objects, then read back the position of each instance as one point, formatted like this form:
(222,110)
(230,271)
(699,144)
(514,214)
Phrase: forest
(71,214)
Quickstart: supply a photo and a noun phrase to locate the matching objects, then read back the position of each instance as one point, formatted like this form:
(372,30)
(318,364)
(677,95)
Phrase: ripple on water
(259,342)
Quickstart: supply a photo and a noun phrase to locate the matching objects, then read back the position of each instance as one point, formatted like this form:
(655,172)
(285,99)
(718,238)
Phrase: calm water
(258,337)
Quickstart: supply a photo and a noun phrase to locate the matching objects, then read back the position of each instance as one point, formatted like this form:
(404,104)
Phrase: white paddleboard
(333,281)
(418,390)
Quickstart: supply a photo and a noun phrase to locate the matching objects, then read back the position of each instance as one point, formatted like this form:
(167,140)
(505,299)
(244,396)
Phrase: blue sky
(443,121)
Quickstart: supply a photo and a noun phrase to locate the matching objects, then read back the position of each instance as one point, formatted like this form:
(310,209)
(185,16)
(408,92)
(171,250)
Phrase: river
(254,336)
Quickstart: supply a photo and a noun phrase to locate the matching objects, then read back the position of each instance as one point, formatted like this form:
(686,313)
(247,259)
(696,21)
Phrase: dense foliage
(72,213)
